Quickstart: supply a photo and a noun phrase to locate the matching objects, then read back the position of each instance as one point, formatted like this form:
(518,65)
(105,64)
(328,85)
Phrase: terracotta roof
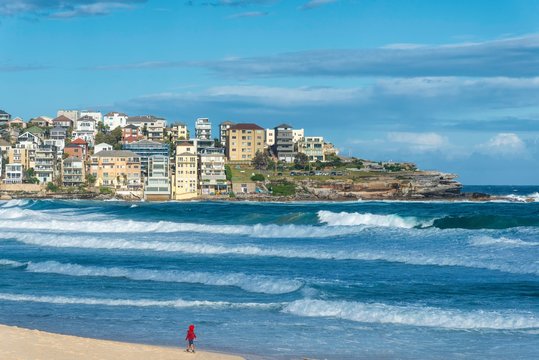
(246,127)
(79,141)
(61,118)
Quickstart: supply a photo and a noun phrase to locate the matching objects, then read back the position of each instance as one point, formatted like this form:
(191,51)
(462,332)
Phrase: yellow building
(185,184)
(23,156)
(244,141)
(116,169)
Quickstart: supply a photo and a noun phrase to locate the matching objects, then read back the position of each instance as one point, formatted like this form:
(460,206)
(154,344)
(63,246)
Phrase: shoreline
(26,344)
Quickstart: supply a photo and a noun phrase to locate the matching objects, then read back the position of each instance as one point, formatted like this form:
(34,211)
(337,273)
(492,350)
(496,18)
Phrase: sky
(450,85)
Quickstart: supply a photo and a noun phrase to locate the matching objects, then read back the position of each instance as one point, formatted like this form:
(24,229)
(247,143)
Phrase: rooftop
(79,141)
(116,153)
(61,118)
(112,113)
(284,126)
(247,126)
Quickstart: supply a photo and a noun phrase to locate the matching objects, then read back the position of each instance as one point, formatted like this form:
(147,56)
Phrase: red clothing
(191,333)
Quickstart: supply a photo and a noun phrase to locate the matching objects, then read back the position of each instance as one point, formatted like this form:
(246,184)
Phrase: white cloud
(504,144)
(419,142)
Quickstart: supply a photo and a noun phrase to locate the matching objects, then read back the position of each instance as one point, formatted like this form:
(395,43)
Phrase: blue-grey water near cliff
(391,280)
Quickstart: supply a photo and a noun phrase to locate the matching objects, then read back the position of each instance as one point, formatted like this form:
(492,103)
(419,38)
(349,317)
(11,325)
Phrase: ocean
(354,280)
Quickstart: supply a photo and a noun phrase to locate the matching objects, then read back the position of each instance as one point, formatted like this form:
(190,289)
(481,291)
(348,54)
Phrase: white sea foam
(413,315)
(50,223)
(251,283)
(15,203)
(367,219)
(408,257)
(534,197)
(7,262)
(501,242)
(177,303)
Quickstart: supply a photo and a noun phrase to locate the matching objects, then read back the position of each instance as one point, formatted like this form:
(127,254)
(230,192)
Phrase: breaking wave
(6,262)
(413,315)
(502,242)
(258,284)
(408,257)
(178,303)
(367,219)
(534,197)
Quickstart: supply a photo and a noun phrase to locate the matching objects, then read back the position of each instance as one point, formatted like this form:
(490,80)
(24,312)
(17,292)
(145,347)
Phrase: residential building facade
(73,115)
(244,141)
(223,131)
(203,129)
(4,117)
(118,169)
(131,133)
(283,147)
(73,172)
(115,119)
(186,174)
(157,183)
(63,121)
(96,115)
(270,137)
(212,173)
(101,147)
(313,147)
(179,131)
(145,149)
(14,174)
(46,168)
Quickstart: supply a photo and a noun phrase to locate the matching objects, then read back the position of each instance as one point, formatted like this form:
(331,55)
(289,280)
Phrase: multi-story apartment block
(313,147)
(179,131)
(73,115)
(96,115)
(131,133)
(85,129)
(23,154)
(4,117)
(116,169)
(151,126)
(146,149)
(270,137)
(157,183)
(244,141)
(283,147)
(223,131)
(46,167)
(186,174)
(115,119)
(73,172)
(14,174)
(63,121)
(58,144)
(203,129)
(212,172)
(297,135)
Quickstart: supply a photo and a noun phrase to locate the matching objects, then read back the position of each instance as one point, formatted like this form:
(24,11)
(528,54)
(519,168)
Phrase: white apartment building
(97,115)
(203,129)
(157,184)
(46,164)
(297,135)
(115,119)
(223,131)
(14,173)
(102,147)
(270,137)
(212,173)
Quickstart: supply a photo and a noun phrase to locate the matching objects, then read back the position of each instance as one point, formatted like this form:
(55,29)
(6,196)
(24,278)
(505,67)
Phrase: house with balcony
(131,133)
(85,129)
(46,167)
(212,172)
(115,119)
(63,122)
(145,149)
(118,169)
(13,174)
(152,127)
(179,131)
(313,147)
(77,148)
(40,121)
(157,182)
(283,147)
(73,172)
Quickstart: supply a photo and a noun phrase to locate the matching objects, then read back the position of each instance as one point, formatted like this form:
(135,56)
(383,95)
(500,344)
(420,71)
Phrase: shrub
(258,177)
(105,190)
(52,187)
(283,188)
(228,172)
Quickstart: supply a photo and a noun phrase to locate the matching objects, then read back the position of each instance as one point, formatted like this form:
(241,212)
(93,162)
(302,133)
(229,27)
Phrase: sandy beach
(25,344)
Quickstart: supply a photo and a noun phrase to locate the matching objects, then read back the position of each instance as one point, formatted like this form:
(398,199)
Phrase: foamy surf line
(178,303)
(367,219)
(409,258)
(131,226)
(250,283)
(413,315)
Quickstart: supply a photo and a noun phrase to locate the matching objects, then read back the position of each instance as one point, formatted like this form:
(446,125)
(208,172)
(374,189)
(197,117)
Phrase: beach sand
(24,344)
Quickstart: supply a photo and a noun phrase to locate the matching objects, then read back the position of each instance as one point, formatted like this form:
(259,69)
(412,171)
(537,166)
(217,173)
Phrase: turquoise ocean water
(357,280)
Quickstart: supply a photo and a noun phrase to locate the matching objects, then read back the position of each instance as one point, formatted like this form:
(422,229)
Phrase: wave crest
(412,315)
(368,219)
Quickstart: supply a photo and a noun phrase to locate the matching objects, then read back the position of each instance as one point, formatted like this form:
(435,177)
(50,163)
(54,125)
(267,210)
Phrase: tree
(217,143)
(257,177)
(261,161)
(301,161)
(90,179)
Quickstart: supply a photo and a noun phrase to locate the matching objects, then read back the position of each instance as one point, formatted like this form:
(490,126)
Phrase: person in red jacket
(190,337)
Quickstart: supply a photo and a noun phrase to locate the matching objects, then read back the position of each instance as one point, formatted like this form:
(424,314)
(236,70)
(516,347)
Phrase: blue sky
(450,85)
